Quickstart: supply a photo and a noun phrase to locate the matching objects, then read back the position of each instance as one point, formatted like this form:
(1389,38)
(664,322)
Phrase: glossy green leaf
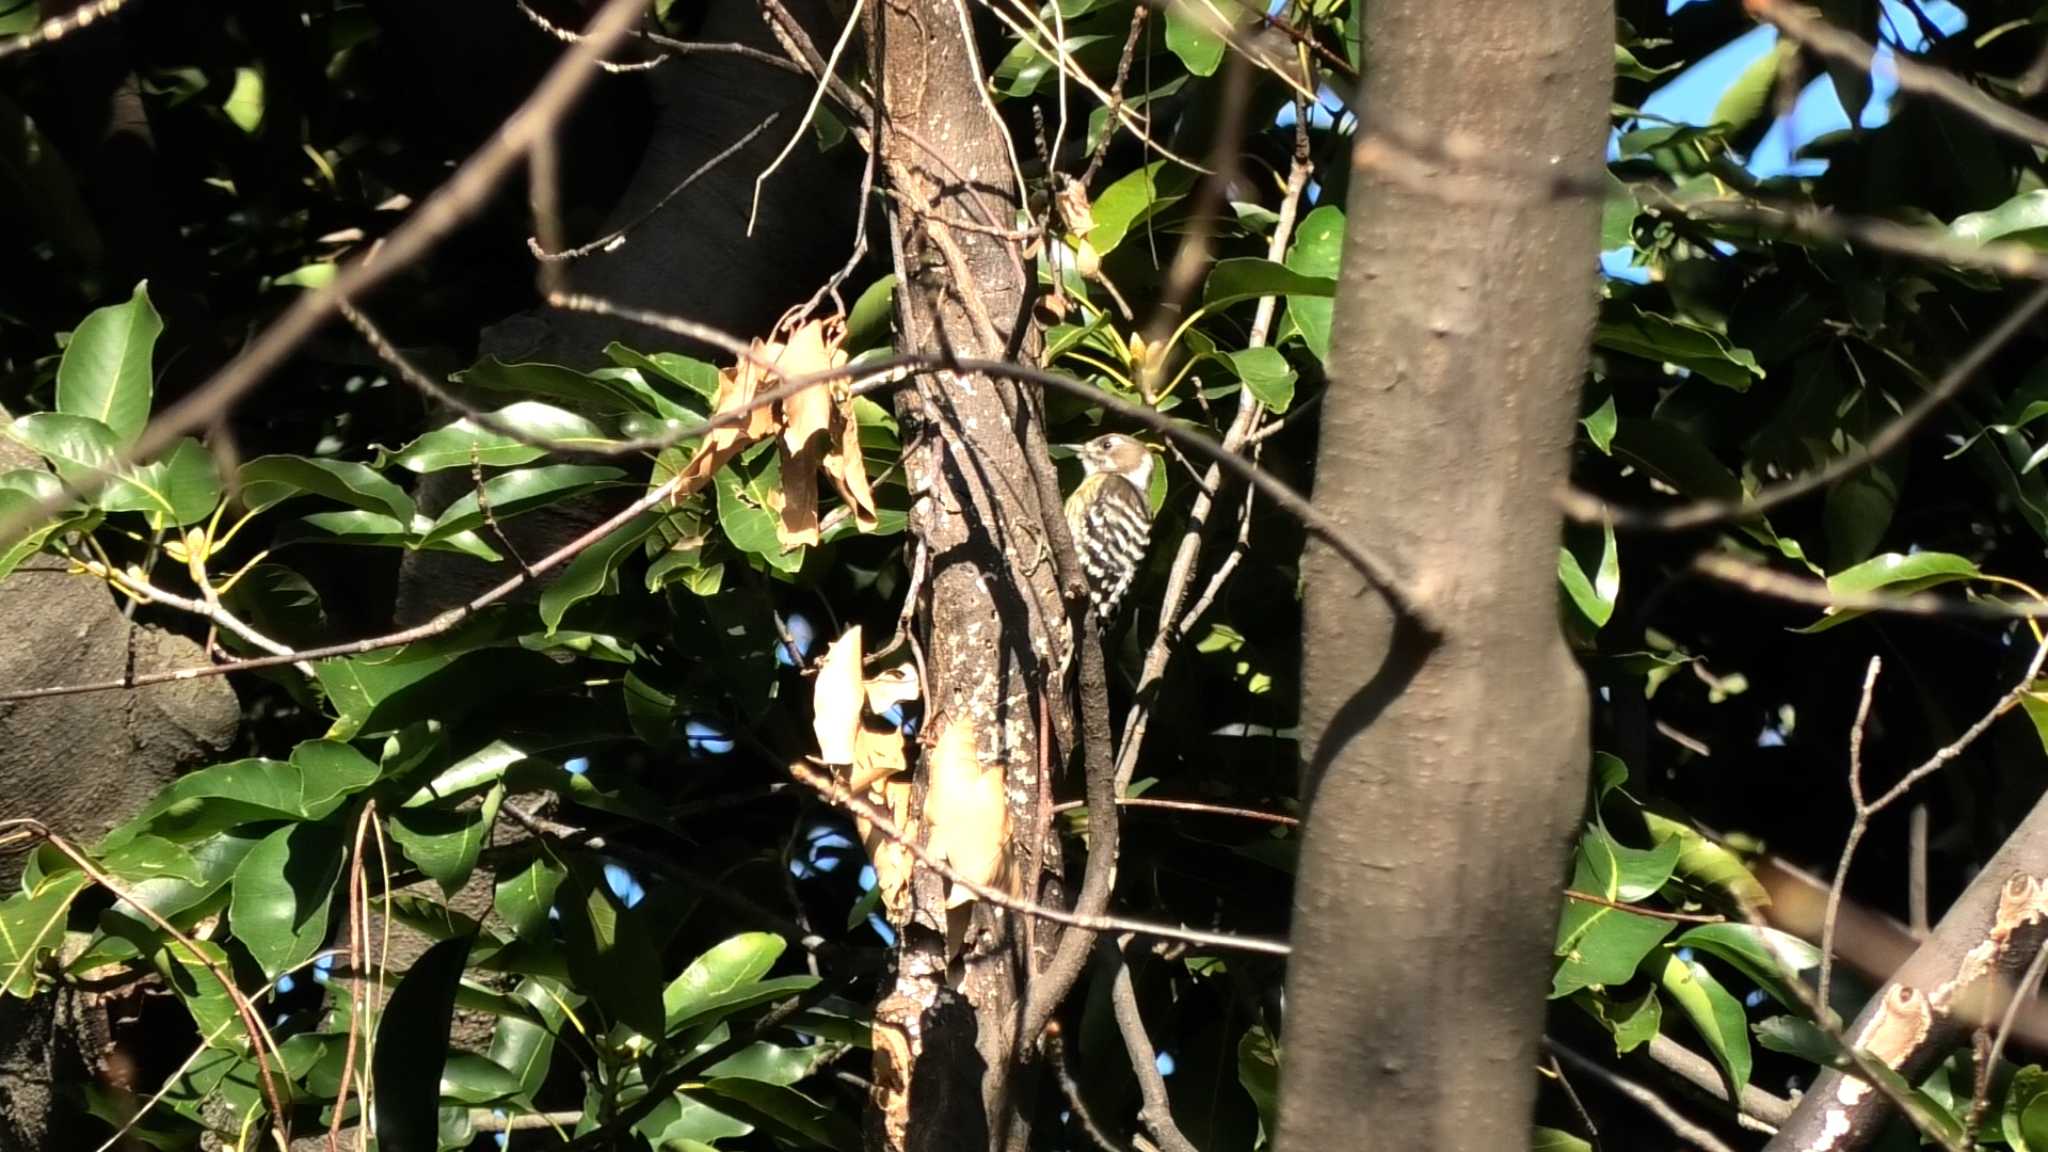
(318,777)
(787,1113)
(869,322)
(595,570)
(463,444)
(1795,1036)
(509,494)
(1248,278)
(1132,199)
(267,480)
(282,894)
(183,485)
(1600,945)
(1674,454)
(1192,34)
(16,504)
(727,966)
(444,841)
(412,1047)
(1626,66)
(31,928)
(1600,426)
(1680,342)
(150,858)
(472,1079)
(1767,956)
(2022,218)
(106,373)
(1893,573)
(1266,372)
(698,379)
(746,519)
(1714,1012)
(1706,863)
(525,1047)
(1593,597)
(1024,69)
(1632,1023)
(565,387)
(1317,250)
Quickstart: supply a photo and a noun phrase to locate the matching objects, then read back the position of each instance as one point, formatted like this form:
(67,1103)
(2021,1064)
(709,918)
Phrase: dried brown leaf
(891,687)
(876,757)
(847,471)
(966,810)
(796,501)
(836,698)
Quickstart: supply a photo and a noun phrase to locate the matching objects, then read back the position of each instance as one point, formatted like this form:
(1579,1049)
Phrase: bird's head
(1118,455)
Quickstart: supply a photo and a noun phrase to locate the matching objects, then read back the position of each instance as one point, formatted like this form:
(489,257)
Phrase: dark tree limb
(1447,770)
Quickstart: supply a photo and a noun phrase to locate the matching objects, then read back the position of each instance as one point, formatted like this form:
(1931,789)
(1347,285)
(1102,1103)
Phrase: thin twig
(616,238)
(837,792)
(1755,1108)
(1056,1055)
(1157,1114)
(1856,828)
(568,36)
(1191,806)
(1654,1104)
(1579,1106)
(2029,984)
(1653,913)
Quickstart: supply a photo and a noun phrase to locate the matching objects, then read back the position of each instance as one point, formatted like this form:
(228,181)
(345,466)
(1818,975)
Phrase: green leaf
(1266,372)
(105,374)
(18,505)
(2024,1119)
(1670,340)
(1765,955)
(609,953)
(1258,1070)
(748,522)
(2020,219)
(1195,39)
(1133,199)
(1750,94)
(461,444)
(1626,66)
(524,1047)
(150,858)
(1852,79)
(183,484)
(1595,597)
(579,391)
(868,324)
(412,1047)
(1553,1140)
(444,842)
(244,105)
(1600,426)
(1317,250)
(1600,945)
(1895,573)
(472,1079)
(267,480)
(596,569)
(785,1112)
(1673,453)
(31,928)
(1706,863)
(1633,1023)
(727,966)
(1794,1036)
(522,899)
(1714,1012)
(1023,69)
(316,780)
(511,493)
(698,378)
(282,893)
(1248,278)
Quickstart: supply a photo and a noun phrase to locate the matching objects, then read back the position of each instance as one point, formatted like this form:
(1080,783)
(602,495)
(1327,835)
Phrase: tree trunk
(993,620)
(1446,780)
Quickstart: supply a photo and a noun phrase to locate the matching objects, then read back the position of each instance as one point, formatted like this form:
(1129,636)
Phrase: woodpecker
(1110,517)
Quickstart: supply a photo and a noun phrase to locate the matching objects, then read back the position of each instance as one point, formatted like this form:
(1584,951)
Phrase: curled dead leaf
(891,687)
(836,697)
(892,861)
(876,757)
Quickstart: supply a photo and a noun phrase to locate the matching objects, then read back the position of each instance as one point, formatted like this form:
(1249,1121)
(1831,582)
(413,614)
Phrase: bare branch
(1157,1114)
(1654,1104)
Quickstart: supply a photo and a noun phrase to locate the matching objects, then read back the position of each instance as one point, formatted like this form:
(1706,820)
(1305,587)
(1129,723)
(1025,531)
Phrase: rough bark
(1448,767)
(994,621)
(1960,977)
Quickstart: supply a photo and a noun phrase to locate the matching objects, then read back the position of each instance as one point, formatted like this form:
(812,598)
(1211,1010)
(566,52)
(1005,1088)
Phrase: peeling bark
(1448,769)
